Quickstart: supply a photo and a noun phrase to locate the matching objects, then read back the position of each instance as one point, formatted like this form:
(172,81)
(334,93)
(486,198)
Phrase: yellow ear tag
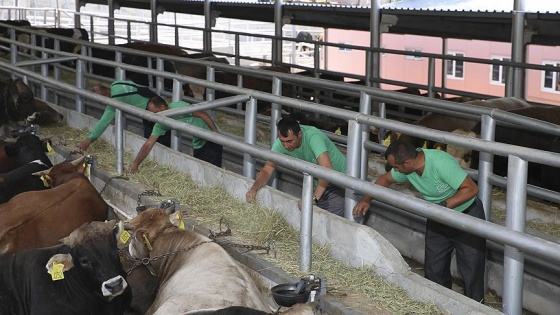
(124,237)
(56,272)
(338,131)
(181,223)
(86,169)
(425,145)
(50,149)
(45,179)
(147,241)
(387,141)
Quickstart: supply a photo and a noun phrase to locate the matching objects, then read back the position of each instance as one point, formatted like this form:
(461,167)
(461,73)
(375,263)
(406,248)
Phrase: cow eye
(84,262)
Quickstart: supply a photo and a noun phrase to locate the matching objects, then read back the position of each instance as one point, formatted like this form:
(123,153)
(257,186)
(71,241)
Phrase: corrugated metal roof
(475,5)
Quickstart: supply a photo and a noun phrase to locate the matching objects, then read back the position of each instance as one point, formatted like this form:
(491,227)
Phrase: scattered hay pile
(361,288)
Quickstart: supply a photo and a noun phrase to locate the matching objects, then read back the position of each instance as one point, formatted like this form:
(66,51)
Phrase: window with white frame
(551,81)
(455,68)
(345,49)
(412,57)
(498,72)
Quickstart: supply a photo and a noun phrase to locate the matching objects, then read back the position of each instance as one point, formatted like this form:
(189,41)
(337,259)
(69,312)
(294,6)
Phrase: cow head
(94,254)
(148,225)
(29,147)
(62,172)
(20,102)
(44,114)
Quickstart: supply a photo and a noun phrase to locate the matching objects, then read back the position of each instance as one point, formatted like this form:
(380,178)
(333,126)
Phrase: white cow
(194,273)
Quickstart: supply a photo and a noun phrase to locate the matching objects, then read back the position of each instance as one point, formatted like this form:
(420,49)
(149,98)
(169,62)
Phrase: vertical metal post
(45,73)
(153,22)
(210,76)
(365,108)
(13,48)
(250,137)
(77,15)
(353,153)
(375,40)
(207,34)
(516,205)
(80,80)
(485,165)
(239,105)
(443,66)
(119,121)
(274,118)
(431,76)
(277,42)
(518,49)
(175,136)
(111,22)
(306,224)
(57,74)
(159,80)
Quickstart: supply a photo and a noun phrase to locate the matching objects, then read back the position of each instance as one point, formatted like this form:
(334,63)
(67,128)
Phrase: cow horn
(79,160)
(41,173)
(46,138)
(10,140)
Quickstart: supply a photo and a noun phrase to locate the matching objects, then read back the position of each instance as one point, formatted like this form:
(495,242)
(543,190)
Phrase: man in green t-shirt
(127,92)
(312,145)
(202,149)
(440,179)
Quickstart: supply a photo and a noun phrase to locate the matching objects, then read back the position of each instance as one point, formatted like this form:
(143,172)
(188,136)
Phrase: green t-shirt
(126,92)
(160,129)
(440,180)
(314,143)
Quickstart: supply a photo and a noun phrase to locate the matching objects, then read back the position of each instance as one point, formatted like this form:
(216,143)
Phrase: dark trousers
(470,250)
(165,139)
(332,200)
(210,152)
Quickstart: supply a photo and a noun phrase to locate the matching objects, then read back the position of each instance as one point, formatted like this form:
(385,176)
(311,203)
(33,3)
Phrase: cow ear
(176,218)
(63,259)
(42,173)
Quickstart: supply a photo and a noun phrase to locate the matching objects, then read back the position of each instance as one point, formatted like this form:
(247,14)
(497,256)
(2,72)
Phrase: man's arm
(99,128)
(143,153)
(207,119)
(261,180)
(466,191)
(362,207)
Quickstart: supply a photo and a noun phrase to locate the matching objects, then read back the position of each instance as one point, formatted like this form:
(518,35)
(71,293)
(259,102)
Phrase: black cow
(30,153)
(47,41)
(540,175)
(5,31)
(83,275)
(17,102)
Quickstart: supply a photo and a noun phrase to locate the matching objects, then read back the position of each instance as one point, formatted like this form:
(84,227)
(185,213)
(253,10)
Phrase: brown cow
(40,218)
(194,272)
(449,123)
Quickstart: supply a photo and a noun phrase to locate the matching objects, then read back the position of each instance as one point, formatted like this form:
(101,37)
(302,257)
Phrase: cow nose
(114,286)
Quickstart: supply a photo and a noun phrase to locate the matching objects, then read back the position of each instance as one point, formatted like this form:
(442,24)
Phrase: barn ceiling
(482,25)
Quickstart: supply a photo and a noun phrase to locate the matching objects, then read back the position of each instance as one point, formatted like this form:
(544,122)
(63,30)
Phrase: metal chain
(148,192)
(146,261)
(120,176)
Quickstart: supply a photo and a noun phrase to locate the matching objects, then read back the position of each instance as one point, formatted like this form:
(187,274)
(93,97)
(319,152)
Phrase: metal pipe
(159,80)
(306,224)
(29,63)
(277,42)
(275,116)
(353,157)
(175,137)
(153,22)
(485,165)
(111,22)
(250,137)
(517,85)
(207,33)
(516,205)
(365,108)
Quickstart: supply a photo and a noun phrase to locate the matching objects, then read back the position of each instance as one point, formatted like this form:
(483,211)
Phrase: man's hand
(84,145)
(251,195)
(361,208)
